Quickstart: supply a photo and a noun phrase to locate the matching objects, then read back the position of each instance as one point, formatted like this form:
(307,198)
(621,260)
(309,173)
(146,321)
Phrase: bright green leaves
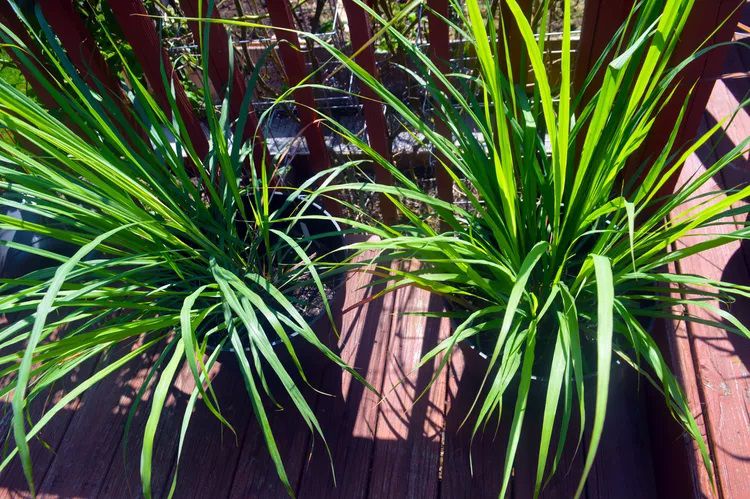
(46,306)
(605,295)
(96,169)
(157,405)
(499,145)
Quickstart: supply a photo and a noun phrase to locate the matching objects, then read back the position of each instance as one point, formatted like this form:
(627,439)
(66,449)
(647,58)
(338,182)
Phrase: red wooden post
(9,19)
(440,53)
(140,32)
(294,67)
(515,46)
(83,52)
(374,111)
(601,20)
(218,66)
(79,45)
(704,71)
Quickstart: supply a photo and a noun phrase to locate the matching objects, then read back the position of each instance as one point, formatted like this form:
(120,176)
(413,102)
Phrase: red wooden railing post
(707,15)
(374,110)
(83,52)
(79,45)
(440,53)
(601,20)
(10,20)
(294,67)
(218,67)
(515,45)
(140,32)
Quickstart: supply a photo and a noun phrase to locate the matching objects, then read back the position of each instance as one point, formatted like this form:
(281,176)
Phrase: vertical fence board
(140,32)
(374,111)
(10,20)
(219,71)
(295,69)
(440,53)
(515,45)
(601,20)
(79,45)
(707,15)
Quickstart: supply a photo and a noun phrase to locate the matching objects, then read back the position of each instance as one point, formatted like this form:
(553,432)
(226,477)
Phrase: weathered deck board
(487,451)
(397,448)
(722,359)
(350,419)
(87,450)
(408,434)
(12,479)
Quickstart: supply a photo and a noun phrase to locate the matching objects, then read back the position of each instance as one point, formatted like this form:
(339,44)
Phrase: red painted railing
(601,20)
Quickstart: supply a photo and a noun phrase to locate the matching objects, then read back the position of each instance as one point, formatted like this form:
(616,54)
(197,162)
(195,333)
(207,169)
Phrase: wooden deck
(713,364)
(398,448)
(394,449)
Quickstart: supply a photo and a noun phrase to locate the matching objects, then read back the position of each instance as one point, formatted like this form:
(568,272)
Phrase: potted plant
(553,256)
(148,256)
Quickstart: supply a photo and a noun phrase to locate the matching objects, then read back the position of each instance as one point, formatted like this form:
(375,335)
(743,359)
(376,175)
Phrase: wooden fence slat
(81,48)
(515,41)
(79,45)
(9,19)
(374,111)
(601,20)
(702,73)
(140,32)
(218,66)
(295,69)
(440,53)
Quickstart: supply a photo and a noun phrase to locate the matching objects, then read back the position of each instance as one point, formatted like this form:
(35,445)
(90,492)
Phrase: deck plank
(349,421)
(42,449)
(255,475)
(486,452)
(406,457)
(623,467)
(123,477)
(721,358)
(94,434)
(677,348)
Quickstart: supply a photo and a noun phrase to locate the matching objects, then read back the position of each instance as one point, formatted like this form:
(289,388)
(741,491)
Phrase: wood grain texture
(43,449)
(123,477)
(722,359)
(88,448)
(679,467)
(408,434)
(350,421)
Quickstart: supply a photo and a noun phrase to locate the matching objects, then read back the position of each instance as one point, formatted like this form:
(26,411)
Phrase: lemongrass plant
(163,264)
(556,261)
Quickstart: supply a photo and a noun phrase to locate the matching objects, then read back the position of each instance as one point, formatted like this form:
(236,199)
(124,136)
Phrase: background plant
(555,260)
(162,263)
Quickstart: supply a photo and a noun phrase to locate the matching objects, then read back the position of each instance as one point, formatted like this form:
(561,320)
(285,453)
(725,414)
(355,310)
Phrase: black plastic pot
(15,262)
